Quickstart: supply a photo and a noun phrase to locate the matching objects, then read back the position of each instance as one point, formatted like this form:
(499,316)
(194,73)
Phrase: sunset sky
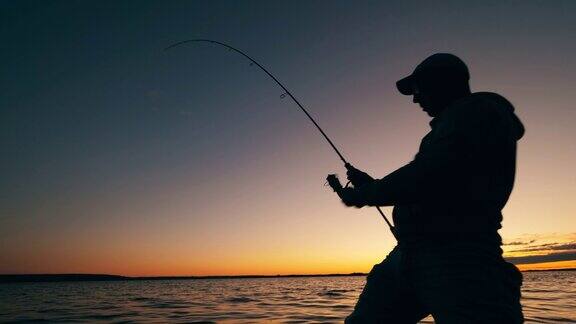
(117,157)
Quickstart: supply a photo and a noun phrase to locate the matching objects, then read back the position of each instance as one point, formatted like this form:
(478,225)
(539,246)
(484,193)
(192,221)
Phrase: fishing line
(286,92)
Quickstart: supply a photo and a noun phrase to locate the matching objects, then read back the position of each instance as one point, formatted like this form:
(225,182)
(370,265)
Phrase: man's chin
(427,110)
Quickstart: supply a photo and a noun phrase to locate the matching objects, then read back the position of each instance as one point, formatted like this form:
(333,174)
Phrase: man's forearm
(399,187)
(413,182)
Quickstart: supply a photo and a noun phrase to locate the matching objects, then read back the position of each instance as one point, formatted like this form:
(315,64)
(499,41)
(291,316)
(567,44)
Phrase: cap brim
(406,85)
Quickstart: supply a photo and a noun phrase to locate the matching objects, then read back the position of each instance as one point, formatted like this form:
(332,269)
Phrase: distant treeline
(103,277)
(59,277)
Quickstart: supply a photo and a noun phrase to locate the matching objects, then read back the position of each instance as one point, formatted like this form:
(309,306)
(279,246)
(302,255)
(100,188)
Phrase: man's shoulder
(480,102)
(478,106)
(481,113)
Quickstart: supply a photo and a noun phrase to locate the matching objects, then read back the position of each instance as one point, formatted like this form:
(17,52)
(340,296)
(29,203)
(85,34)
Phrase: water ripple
(239,299)
(548,297)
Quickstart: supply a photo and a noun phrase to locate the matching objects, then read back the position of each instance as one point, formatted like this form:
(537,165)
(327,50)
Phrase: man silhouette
(447,208)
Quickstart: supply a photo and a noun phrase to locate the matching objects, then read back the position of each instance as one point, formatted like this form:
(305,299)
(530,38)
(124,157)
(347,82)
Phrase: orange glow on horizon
(558,265)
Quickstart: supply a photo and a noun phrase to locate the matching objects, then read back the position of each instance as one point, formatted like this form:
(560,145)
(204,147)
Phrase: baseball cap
(438,67)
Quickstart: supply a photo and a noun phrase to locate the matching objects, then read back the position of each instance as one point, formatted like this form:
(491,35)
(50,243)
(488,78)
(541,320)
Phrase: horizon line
(63,277)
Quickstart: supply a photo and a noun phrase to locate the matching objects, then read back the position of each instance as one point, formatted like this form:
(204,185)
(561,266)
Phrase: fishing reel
(334,183)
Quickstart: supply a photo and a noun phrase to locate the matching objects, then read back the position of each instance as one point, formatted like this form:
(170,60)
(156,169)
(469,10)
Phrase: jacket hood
(496,99)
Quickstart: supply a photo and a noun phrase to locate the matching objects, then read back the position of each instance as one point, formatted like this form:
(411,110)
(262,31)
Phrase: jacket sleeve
(447,159)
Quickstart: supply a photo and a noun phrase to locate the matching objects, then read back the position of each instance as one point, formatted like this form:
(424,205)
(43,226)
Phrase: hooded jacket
(461,177)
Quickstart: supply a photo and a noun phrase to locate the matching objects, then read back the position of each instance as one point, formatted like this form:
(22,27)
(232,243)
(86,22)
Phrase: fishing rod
(332,179)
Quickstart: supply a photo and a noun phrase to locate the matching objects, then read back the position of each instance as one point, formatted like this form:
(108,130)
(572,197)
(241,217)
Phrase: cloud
(548,246)
(520,242)
(531,249)
(550,257)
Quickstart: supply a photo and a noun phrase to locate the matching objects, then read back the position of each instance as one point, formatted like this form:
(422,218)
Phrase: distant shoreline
(12,278)
(8,278)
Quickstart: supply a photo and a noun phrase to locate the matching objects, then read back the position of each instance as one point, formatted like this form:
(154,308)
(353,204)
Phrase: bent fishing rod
(332,178)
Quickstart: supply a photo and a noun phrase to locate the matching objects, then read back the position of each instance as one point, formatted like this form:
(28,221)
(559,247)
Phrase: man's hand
(352,197)
(349,196)
(356,177)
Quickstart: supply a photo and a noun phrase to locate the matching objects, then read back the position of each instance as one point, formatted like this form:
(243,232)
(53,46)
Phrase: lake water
(548,297)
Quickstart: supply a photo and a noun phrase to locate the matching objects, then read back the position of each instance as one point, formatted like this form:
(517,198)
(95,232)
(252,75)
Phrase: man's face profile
(421,98)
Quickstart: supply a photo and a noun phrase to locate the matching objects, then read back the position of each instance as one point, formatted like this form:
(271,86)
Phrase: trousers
(456,284)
